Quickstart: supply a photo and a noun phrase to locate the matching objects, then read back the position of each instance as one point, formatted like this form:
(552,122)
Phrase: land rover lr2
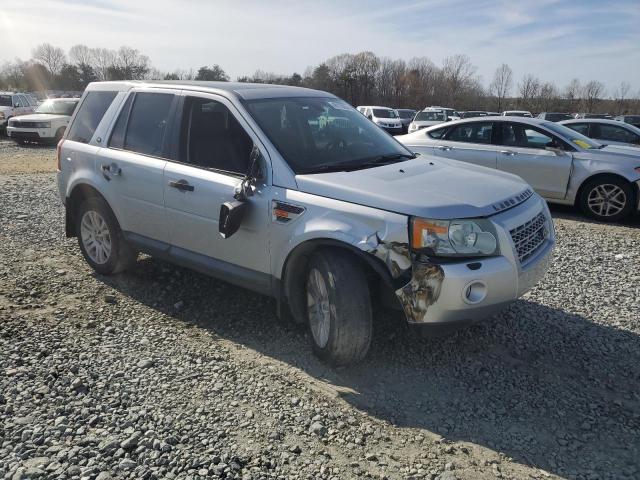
(292,193)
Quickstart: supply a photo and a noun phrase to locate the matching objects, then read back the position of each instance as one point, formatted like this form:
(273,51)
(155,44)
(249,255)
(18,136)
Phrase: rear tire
(59,135)
(100,238)
(607,198)
(338,308)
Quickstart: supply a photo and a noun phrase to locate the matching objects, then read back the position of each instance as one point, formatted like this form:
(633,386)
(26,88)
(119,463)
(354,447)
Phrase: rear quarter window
(89,116)
(437,133)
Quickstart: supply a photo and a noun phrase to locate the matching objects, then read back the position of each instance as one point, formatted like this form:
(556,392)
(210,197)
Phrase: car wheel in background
(100,238)
(338,307)
(607,198)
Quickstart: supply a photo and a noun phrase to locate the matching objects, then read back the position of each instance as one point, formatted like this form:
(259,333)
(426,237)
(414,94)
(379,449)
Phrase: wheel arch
(78,194)
(291,292)
(634,185)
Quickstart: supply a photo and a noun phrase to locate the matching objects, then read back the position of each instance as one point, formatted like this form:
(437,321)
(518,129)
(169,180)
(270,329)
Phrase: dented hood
(427,186)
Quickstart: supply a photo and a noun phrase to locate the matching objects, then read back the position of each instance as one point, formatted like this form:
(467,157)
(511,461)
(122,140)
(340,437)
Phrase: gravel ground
(165,373)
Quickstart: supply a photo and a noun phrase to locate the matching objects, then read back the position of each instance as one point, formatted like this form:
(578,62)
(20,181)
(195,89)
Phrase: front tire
(607,199)
(100,238)
(338,307)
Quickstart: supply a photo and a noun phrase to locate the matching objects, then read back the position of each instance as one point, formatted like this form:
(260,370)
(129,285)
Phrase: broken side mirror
(231,216)
(233,213)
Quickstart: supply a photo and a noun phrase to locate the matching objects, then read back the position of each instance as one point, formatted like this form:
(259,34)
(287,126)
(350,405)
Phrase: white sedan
(47,124)
(562,165)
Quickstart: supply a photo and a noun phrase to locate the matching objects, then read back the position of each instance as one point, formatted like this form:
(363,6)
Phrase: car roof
(495,118)
(245,91)
(593,120)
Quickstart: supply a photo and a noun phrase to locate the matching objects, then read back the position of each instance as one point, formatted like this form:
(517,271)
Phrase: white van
(386,118)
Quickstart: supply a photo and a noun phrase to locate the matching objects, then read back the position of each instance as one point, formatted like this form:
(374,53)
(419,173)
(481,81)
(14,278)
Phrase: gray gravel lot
(165,373)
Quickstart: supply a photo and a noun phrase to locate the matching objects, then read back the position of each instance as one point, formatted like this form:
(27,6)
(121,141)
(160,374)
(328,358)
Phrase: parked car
(593,115)
(631,119)
(47,124)
(252,184)
(554,116)
(492,114)
(406,116)
(562,165)
(386,118)
(12,105)
(473,113)
(610,132)
(427,118)
(516,113)
(450,113)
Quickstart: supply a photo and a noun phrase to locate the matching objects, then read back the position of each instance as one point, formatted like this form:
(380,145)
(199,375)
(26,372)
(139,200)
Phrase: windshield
(316,134)
(57,107)
(5,101)
(384,113)
(557,117)
(433,115)
(572,136)
(406,113)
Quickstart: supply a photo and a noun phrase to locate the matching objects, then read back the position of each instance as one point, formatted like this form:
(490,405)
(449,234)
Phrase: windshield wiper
(371,162)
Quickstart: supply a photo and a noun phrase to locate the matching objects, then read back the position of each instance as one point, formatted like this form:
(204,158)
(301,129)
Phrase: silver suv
(292,193)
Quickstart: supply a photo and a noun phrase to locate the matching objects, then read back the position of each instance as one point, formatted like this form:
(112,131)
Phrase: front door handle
(508,152)
(444,148)
(113,169)
(182,185)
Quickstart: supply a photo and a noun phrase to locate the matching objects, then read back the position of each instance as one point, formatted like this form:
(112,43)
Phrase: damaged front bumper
(461,293)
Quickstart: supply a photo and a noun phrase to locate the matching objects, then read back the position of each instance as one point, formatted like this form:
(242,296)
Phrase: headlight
(42,124)
(454,238)
(1,114)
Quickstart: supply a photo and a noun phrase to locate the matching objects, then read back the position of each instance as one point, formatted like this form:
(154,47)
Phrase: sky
(556,40)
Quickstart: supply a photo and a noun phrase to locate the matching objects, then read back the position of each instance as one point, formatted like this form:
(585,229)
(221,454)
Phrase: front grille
(20,124)
(529,237)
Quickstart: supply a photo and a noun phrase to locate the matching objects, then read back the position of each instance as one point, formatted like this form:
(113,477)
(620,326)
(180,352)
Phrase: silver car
(292,193)
(562,165)
(610,132)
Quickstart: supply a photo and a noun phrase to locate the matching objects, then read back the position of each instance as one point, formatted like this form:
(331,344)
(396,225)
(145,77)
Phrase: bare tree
(620,95)
(591,94)
(529,88)
(501,84)
(51,57)
(102,59)
(130,64)
(457,72)
(80,55)
(572,94)
(547,97)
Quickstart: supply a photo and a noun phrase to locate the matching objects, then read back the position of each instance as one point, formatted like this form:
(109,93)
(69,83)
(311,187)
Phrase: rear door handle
(182,185)
(113,169)
(508,152)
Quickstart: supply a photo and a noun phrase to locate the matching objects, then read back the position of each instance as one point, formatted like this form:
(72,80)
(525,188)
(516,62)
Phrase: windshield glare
(384,113)
(316,133)
(572,136)
(5,101)
(57,107)
(430,116)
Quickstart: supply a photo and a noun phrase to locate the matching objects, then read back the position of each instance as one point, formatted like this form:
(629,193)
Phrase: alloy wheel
(606,200)
(319,307)
(96,237)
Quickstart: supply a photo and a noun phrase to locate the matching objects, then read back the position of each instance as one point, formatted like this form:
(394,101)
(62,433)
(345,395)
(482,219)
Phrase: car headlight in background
(454,238)
(42,124)
(1,114)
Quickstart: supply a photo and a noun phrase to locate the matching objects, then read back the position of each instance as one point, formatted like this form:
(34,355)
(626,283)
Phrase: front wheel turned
(338,307)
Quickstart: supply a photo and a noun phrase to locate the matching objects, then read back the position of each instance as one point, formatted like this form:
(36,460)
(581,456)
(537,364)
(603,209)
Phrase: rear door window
(89,115)
(479,132)
(147,123)
(438,132)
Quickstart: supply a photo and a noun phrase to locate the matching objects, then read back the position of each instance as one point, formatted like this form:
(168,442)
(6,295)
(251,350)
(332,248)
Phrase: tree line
(361,78)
